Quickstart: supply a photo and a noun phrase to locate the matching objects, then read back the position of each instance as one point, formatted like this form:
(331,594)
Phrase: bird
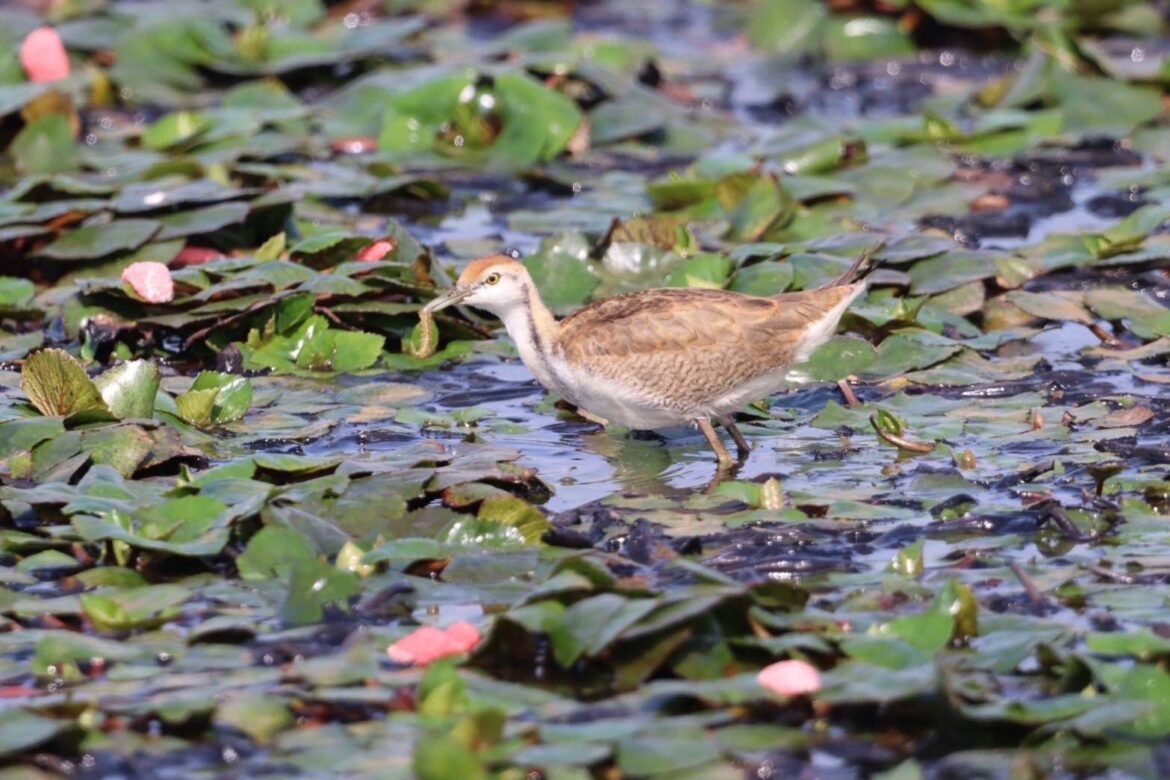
(664,357)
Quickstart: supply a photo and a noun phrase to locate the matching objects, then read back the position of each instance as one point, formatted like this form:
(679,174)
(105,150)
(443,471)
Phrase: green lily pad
(257,715)
(21,730)
(93,241)
(45,146)
(273,552)
(134,608)
(313,585)
(214,399)
(129,389)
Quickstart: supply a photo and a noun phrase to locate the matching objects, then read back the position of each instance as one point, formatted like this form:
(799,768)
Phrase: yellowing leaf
(57,385)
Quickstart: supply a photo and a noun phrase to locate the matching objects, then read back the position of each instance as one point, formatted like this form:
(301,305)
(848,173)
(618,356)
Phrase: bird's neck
(534,329)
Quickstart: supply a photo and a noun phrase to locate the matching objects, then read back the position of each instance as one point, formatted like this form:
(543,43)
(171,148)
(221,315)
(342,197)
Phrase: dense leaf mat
(228,484)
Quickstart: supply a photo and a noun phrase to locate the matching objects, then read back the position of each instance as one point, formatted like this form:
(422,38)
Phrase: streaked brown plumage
(663,357)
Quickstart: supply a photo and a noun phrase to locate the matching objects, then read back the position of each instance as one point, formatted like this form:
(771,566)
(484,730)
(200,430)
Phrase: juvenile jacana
(660,358)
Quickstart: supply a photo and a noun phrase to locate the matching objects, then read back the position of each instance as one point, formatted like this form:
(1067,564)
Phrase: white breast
(611,400)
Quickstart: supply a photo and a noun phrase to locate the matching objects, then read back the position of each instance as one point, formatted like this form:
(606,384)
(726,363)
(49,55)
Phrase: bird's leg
(591,417)
(743,449)
(724,457)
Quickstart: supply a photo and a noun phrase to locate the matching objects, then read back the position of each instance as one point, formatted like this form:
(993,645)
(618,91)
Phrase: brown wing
(692,344)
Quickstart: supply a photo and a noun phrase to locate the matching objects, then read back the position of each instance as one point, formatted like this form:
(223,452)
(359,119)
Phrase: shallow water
(1010,498)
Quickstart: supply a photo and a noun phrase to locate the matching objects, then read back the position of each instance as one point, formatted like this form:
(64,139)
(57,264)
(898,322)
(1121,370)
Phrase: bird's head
(496,284)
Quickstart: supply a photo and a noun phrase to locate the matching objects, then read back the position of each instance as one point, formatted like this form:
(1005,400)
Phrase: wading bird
(660,358)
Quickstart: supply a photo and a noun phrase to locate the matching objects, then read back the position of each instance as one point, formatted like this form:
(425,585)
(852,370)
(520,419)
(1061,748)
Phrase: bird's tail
(861,267)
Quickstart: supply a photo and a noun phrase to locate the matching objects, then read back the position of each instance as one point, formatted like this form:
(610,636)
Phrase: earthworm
(427,341)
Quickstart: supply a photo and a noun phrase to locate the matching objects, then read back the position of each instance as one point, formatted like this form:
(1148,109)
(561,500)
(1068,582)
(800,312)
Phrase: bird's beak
(449,298)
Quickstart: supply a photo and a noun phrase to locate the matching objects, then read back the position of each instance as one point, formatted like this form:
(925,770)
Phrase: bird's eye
(492,278)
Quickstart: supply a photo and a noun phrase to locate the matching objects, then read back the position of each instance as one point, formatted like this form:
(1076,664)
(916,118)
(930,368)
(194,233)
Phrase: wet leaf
(94,241)
(764,205)
(274,552)
(190,525)
(1050,306)
(214,399)
(840,357)
(516,515)
(866,38)
(341,351)
(130,388)
(648,754)
(787,27)
(134,608)
(313,586)
(703,270)
(439,756)
(587,627)
(932,630)
(174,129)
(58,386)
(260,717)
(21,730)
(562,272)
(123,447)
(45,146)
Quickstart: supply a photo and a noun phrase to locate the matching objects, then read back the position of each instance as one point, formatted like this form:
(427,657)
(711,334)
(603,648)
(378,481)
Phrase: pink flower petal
(43,56)
(428,644)
(376,251)
(196,255)
(790,678)
(465,634)
(150,281)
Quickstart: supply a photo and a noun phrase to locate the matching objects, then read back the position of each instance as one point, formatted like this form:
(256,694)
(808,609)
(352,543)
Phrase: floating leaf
(45,146)
(130,388)
(273,552)
(174,129)
(341,351)
(215,398)
(58,386)
(94,241)
(259,716)
(21,730)
(134,608)
(314,585)
(562,272)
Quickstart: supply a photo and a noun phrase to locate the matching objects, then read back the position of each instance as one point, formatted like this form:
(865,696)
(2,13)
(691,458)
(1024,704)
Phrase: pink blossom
(150,281)
(196,255)
(43,56)
(790,678)
(428,644)
(376,251)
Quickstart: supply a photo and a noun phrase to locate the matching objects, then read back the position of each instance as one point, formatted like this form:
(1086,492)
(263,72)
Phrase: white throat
(521,324)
